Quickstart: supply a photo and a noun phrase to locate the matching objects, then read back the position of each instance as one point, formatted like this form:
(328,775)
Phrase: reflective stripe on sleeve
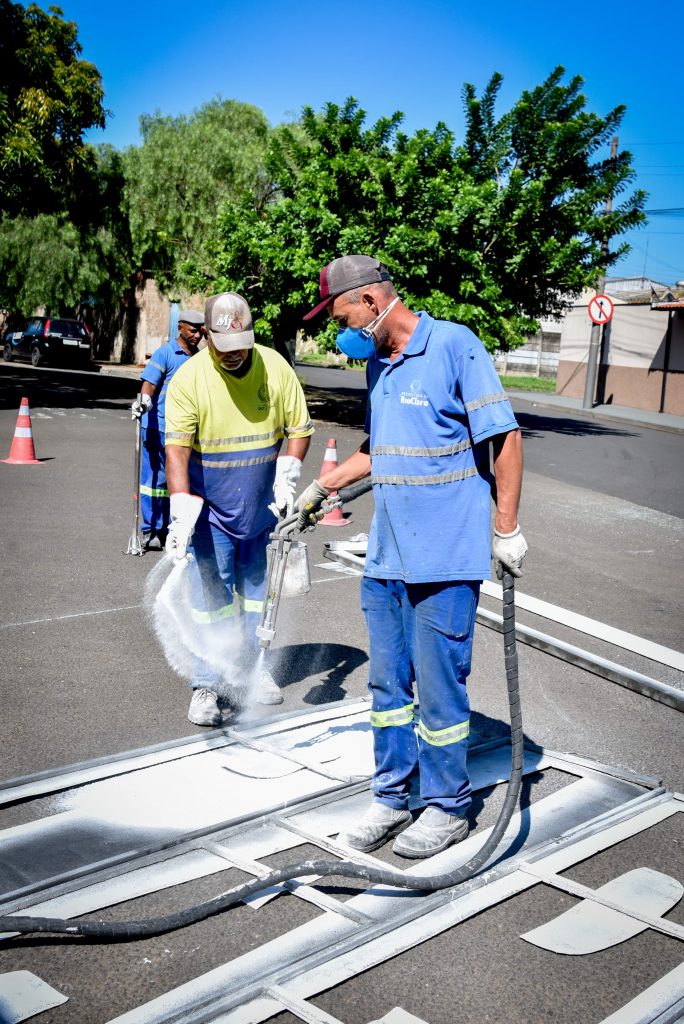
(435,478)
(216,615)
(397,716)
(450,449)
(176,435)
(443,737)
(305,427)
(154,492)
(478,403)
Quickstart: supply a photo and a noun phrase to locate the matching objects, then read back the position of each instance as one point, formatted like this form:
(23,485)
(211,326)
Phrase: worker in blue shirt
(435,405)
(150,408)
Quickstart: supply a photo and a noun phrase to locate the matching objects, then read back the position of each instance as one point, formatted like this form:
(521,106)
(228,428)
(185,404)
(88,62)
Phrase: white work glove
(510,549)
(185,509)
(142,404)
(309,503)
(288,468)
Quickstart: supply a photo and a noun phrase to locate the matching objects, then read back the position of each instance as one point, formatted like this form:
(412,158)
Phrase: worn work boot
(204,709)
(267,691)
(433,832)
(378,824)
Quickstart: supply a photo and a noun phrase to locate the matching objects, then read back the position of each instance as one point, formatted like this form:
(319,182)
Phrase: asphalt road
(83,675)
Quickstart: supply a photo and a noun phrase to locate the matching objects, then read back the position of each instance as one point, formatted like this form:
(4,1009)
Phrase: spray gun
(279,549)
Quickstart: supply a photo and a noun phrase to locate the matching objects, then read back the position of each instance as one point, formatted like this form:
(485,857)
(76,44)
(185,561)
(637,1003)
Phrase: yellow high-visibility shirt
(234,426)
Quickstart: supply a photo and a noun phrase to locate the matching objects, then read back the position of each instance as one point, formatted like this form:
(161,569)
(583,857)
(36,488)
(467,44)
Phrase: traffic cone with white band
(22,451)
(334,518)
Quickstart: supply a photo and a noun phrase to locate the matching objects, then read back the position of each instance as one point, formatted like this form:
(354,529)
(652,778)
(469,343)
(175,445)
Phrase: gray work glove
(142,404)
(308,504)
(510,549)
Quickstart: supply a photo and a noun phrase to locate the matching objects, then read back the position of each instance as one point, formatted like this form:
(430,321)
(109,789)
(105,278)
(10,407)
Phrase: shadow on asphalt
(62,389)
(537,425)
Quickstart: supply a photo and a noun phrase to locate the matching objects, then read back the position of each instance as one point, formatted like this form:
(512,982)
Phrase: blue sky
(408,56)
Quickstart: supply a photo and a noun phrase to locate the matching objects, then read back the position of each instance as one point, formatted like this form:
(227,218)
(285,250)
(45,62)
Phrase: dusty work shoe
(433,832)
(267,690)
(204,709)
(378,824)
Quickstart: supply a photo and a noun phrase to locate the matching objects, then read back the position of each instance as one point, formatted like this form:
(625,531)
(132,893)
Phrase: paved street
(83,675)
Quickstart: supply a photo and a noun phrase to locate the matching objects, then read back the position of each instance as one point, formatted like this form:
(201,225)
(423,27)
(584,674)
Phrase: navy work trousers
(420,633)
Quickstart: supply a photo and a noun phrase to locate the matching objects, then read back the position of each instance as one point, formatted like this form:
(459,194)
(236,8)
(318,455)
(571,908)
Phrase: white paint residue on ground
(23,994)
(192,793)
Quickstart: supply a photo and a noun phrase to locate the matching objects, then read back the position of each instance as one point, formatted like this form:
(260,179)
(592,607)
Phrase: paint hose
(118,931)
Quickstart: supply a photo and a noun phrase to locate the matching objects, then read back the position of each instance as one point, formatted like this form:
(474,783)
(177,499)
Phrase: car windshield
(68,328)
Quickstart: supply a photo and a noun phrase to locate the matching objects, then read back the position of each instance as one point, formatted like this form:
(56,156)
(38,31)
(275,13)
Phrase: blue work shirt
(430,414)
(159,371)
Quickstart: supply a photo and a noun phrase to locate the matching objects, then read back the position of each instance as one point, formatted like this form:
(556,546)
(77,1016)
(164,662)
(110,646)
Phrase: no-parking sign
(601,309)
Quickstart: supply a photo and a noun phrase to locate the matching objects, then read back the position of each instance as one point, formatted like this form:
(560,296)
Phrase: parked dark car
(47,339)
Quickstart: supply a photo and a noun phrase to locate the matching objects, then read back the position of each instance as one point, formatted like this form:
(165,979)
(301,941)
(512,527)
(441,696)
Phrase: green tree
(63,239)
(176,181)
(49,97)
(494,233)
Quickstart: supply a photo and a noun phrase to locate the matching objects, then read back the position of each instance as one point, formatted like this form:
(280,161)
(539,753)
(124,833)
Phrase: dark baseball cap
(228,321)
(346,273)
(191,316)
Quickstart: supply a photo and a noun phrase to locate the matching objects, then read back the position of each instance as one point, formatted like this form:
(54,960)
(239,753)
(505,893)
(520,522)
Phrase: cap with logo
(228,321)
(346,273)
(191,316)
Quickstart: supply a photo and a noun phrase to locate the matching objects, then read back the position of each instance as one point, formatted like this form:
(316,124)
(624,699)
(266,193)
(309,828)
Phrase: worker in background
(435,406)
(149,407)
(227,413)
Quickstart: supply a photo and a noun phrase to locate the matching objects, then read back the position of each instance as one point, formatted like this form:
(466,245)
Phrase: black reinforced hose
(108,931)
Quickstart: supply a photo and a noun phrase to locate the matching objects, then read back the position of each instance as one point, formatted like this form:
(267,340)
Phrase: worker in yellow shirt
(227,412)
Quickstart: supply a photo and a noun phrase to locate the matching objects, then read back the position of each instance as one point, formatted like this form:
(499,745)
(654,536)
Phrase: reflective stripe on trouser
(154,494)
(422,633)
(227,583)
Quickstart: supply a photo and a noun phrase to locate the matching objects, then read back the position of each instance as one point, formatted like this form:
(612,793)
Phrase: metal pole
(595,340)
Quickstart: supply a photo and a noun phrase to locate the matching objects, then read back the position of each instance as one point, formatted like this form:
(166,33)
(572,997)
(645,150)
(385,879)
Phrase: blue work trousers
(154,493)
(227,583)
(420,633)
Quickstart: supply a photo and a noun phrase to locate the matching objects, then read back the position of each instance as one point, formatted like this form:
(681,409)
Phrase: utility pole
(596,329)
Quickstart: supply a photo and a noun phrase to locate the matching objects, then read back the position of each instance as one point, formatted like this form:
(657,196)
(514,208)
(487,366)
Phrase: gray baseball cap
(191,316)
(228,321)
(346,273)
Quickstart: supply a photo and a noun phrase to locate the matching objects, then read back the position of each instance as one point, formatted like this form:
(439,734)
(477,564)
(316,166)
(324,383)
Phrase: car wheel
(36,356)
(7,353)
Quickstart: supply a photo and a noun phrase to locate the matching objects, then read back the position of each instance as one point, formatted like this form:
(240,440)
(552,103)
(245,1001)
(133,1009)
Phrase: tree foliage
(49,97)
(63,239)
(494,233)
(185,169)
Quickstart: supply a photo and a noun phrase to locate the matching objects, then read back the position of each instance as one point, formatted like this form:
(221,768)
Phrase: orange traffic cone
(22,452)
(334,518)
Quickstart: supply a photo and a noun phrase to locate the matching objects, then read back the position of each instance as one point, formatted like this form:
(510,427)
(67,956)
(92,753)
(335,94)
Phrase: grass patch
(546,384)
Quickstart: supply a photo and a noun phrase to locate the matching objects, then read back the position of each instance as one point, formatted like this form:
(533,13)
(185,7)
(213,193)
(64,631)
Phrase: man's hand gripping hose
(110,931)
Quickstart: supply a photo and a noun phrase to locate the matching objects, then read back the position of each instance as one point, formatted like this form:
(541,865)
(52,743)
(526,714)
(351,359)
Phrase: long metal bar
(583,624)
(648,687)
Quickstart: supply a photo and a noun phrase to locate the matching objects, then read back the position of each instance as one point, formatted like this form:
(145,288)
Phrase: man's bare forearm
(298,447)
(356,467)
(178,469)
(508,468)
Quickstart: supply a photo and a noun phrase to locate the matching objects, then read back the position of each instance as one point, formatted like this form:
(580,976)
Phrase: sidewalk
(561,403)
(608,413)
